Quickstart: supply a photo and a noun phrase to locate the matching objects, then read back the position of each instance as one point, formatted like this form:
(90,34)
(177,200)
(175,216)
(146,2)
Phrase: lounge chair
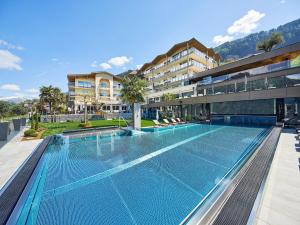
(179,120)
(173,121)
(158,124)
(167,122)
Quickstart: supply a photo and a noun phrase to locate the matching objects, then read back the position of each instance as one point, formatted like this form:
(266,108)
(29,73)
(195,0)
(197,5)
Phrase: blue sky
(42,41)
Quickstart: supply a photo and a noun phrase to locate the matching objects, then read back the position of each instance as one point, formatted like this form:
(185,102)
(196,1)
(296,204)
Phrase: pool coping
(235,204)
(13,189)
(88,129)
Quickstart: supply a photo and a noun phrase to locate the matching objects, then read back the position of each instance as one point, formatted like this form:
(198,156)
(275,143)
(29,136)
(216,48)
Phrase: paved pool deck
(13,153)
(280,201)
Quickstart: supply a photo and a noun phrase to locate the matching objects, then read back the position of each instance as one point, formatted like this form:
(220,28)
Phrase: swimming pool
(153,178)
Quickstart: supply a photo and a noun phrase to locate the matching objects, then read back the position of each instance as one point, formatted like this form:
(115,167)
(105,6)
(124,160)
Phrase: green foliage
(8,109)
(53,97)
(34,124)
(188,117)
(58,128)
(18,109)
(247,46)
(30,133)
(168,97)
(4,108)
(268,43)
(133,90)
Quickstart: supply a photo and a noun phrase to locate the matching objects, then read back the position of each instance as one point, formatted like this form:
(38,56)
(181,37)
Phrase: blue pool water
(153,178)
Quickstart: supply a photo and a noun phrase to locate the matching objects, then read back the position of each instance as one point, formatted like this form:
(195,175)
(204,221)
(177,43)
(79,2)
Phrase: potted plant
(17,124)
(4,130)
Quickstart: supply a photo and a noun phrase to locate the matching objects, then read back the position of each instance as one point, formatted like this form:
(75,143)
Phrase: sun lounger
(179,120)
(158,124)
(173,121)
(168,122)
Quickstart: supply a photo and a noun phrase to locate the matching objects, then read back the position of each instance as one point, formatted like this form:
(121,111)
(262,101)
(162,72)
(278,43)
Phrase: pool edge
(225,209)
(13,189)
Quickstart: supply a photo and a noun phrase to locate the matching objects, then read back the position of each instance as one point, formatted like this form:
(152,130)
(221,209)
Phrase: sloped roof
(93,74)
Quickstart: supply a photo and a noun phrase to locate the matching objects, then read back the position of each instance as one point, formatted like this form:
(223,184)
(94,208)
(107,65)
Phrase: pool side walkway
(13,154)
(280,201)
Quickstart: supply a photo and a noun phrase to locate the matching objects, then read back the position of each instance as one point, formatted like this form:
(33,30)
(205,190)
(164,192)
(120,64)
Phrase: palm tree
(133,91)
(274,39)
(51,96)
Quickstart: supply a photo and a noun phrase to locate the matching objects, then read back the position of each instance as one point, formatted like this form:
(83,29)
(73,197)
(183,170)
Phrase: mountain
(246,46)
(12,99)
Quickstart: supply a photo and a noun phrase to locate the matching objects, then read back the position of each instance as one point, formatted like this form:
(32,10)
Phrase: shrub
(30,133)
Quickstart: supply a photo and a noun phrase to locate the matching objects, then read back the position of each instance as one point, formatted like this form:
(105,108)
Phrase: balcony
(287,64)
(192,54)
(253,85)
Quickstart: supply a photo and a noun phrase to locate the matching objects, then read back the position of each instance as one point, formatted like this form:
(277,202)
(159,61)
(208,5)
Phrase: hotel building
(171,72)
(265,85)
(100,91)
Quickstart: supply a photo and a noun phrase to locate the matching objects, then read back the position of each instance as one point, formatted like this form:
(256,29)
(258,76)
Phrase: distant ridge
(246,46)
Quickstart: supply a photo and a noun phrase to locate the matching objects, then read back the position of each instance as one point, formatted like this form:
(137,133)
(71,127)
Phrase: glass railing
(253,85)
(250,72)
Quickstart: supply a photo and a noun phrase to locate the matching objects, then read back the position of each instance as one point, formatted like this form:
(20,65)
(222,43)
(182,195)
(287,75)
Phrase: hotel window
(220,90)
(230,88)
(276,82)
(240,87)
(115,107)
(103,94)
(103,85)
(293,80)
(85,84)
(257,85)
(183,53)
(176,57)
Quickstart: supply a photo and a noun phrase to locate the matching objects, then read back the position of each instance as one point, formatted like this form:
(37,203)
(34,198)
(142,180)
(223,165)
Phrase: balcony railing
(172,60)
(242,85)
(250,72)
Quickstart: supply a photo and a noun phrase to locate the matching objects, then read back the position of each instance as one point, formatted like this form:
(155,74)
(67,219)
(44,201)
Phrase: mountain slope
(247,46)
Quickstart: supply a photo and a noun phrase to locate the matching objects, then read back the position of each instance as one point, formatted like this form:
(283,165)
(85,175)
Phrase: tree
(133,90)
(267,44)
(51,96)
(168,97)
(4,108)
(18,109)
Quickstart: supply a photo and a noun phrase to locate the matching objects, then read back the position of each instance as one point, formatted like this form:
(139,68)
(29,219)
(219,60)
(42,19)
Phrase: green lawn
(57,128)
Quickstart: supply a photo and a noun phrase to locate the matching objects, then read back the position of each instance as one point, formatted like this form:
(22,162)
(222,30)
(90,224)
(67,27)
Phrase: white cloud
(54,59)
(105,66)
(219,39)
(282,1)
(9,61)
(119,61)
(246,24)
(10,87)
(10,46)
(32,90)
(94,64)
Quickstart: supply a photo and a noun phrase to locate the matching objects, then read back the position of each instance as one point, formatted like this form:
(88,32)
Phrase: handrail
(120,117)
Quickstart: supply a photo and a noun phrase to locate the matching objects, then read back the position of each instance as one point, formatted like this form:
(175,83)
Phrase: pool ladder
(122,118)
